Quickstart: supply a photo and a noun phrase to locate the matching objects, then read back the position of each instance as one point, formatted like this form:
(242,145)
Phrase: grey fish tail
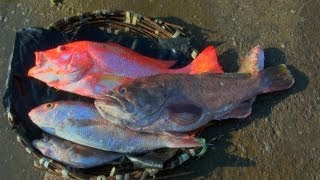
(276,78)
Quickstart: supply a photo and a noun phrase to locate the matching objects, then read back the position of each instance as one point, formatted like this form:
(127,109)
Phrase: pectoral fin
(184,114)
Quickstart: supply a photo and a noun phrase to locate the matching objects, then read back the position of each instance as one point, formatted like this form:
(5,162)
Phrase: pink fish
(93,69)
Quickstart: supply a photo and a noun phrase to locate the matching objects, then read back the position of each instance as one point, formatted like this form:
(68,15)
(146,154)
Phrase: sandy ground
(279,139)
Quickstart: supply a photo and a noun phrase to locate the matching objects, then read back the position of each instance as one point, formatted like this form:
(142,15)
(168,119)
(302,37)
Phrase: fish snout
(40,144)
(32,115)
(41,67)
(33,71)
(35,116)
(44,147)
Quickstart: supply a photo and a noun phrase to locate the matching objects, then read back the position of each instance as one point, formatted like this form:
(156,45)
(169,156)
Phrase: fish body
(81,123)
(182,102)
(73,154)
(92,69)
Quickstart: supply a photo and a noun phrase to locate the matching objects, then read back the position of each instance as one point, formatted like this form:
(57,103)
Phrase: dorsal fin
(206,61)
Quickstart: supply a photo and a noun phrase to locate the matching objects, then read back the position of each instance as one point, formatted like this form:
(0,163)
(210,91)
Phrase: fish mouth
(112,101)
(52,78)
(117,108)
(109,117)
(121,103)
(39,143)
(38,69)
(39,65)
(127,114)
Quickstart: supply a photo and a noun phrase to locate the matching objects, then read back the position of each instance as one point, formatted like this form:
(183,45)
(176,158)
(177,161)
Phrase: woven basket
(111,22)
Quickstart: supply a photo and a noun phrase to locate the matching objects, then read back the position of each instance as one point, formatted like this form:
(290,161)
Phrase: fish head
(48,116)
(46,147)
(137,103)
(62,64)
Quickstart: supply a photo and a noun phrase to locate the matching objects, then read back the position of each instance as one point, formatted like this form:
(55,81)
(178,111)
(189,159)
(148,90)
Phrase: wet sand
(280,138)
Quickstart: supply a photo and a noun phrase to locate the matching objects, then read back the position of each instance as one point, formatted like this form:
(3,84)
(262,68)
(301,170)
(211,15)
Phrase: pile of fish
(141,104)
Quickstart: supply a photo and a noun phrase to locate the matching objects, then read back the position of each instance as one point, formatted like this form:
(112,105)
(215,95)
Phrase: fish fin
(206,61)
(242,111)
(275,79)
(167,64)
(253,62)
(184,114)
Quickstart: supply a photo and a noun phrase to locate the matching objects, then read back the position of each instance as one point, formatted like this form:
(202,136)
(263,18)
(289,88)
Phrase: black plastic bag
(25,93)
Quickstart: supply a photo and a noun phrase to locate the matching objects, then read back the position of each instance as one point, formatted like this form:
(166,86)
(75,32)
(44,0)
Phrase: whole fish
(92,69)
(74,154)
(81,123)
(181,102)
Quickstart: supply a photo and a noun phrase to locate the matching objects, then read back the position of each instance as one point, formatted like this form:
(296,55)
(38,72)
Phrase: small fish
(74,154)
(92,69)
(182,102)
(81,123)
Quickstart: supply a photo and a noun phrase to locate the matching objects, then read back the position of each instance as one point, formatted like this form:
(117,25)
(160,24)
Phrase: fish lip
(111,118)
(113,101)
(116,100)
(37,69)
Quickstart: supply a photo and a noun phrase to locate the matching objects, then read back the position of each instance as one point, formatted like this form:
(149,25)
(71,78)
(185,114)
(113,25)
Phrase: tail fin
(276,78)
(206,61)
(253,62)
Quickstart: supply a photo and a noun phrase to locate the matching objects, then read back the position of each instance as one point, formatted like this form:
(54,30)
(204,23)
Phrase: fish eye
(49,105)
(122,90)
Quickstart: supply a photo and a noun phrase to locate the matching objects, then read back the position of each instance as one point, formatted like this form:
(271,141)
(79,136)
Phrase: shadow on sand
(220,132)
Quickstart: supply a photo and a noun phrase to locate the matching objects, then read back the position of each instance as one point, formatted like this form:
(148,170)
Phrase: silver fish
(73,154)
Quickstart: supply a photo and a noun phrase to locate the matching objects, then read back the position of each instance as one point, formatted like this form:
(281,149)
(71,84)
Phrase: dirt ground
(280,138)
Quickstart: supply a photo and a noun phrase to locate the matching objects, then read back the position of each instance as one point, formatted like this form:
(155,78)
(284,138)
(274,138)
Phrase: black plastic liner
(25,93)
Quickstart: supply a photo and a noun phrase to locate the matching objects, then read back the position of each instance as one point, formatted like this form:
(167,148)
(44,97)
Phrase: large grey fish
(181,103)
(74,154)
(81,123)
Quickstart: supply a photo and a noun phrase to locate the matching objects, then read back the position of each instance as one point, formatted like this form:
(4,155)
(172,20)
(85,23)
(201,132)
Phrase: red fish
(93,69)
